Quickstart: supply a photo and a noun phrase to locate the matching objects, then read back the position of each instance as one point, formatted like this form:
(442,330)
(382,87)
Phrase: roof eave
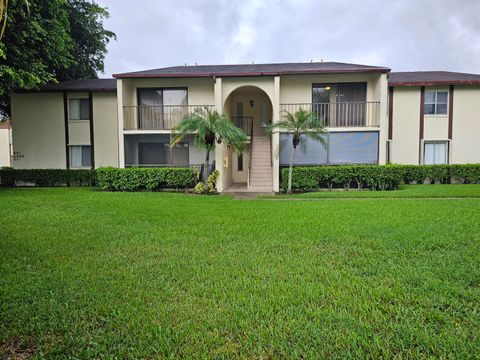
(33,91)
(434,83)
(245,74)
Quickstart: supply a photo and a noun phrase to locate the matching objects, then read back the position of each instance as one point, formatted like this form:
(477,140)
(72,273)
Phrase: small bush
(199,188)
(132,179)
(212,181)
(47,177)
(377,177)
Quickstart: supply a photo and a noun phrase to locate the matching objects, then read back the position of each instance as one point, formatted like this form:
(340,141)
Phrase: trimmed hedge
(132,179)
(47,177)
(377,177)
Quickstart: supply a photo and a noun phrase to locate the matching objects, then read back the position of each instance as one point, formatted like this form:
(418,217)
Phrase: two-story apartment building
(372,116)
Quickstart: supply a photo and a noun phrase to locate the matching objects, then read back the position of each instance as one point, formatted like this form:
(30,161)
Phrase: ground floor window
(80,156)
(160,153)
(435,152)
(342,147)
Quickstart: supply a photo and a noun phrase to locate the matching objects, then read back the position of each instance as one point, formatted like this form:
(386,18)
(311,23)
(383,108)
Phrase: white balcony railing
(165,117)
(345,114)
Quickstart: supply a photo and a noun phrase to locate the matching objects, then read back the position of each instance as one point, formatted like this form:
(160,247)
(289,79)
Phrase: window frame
(434,142)
(435,102)
(70,147)
(168,154)
(162,89)
(80,100)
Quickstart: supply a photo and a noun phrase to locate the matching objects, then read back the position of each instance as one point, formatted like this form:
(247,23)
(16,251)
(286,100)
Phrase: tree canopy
(51,40)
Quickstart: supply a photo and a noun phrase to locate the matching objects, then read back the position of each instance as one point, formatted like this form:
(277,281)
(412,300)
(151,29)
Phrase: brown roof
(254,70)
(96,85)
(422,78)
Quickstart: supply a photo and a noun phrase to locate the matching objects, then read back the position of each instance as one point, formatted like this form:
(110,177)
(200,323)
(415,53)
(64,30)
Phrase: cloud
(404,35)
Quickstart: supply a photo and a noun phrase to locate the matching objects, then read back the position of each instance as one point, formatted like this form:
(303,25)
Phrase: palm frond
(208,129)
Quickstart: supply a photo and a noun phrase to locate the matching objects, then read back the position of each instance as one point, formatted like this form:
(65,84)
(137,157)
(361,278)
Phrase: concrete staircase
(261,175)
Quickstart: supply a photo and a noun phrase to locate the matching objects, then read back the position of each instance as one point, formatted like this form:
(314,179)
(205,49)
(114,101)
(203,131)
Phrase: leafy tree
(208,129)
(301,125)
(90,40)
(50,40)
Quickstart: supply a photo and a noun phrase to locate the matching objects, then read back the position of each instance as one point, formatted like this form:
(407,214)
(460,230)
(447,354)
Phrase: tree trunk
(205,170)
(290,170)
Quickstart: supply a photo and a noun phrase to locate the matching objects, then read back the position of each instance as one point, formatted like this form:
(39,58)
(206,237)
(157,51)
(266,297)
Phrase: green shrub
(212,181)
(132,179)
(465,174)
(47,177)
(199,188)
(377,177)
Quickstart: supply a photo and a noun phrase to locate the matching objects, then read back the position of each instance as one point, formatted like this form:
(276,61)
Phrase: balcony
(344,114)
(166,117)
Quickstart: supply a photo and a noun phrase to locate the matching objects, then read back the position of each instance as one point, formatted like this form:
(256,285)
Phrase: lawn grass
(405,191)
(141,275)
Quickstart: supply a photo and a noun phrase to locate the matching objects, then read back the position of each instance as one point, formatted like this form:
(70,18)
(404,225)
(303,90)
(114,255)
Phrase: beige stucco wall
(406,124)
(465,145)
(5,147)
(38,131)
(105,129)
(78,132)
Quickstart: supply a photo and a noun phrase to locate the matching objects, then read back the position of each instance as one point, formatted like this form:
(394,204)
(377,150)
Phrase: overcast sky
(403,34)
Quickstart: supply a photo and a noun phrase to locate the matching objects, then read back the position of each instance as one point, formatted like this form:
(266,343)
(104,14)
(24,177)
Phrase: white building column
(276,135)
(383,135)
(121,138)
(219,149)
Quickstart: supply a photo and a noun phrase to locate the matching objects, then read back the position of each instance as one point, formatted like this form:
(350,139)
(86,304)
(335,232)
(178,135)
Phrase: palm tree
(301,125)
(208,129)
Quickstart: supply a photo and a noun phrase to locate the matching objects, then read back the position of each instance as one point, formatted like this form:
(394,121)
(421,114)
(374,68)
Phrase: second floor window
(79,109)
(436,102)
(340,104)
(161,108)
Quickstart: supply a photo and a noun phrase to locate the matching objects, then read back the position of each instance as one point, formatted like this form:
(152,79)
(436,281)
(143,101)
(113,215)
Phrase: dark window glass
(429,109)
(179,155)
(80,156)
(435,102)
(79,109)
(342,148)
(240,162)
(442,97)
(152,153)
(441,109)
(86,156)
(353,148)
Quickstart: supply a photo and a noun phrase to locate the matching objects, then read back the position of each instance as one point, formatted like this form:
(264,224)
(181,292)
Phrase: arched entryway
(250,108)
